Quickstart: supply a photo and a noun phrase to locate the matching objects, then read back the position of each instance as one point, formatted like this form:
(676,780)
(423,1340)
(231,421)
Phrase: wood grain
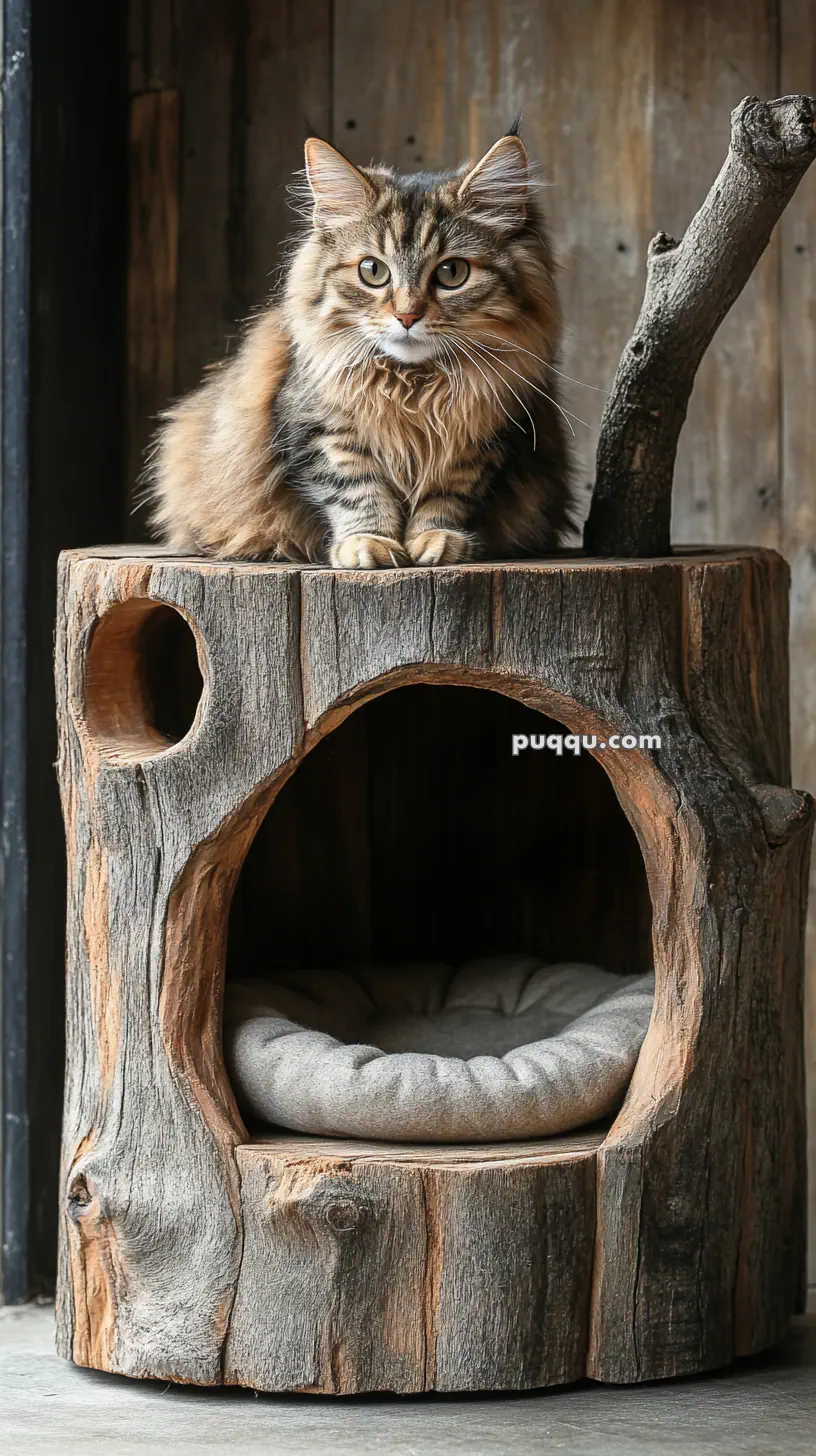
(798,499)
(294,1147)
(155,144)
(706,58)
(363,1270)
(131,897)
(377,1272)
(255,80)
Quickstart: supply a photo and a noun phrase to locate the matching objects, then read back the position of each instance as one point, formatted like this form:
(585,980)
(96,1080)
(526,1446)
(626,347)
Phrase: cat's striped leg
(365,527)
(439,531)
(364,516)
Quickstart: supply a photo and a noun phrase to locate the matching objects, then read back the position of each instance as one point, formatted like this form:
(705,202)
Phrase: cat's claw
(367,552)
(438,548)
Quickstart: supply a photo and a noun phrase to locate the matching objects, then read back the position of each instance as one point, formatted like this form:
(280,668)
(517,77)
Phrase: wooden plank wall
(626,107)
(797,489)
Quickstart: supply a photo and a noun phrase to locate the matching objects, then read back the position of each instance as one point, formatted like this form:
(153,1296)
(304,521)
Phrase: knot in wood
(784,811)
(342,1215)
(777,133)
(79,1196)
(662,243)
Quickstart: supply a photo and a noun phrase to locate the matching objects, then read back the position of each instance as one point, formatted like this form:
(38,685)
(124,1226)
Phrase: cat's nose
(407,319)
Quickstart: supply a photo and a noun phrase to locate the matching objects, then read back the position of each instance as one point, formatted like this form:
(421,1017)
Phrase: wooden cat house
(261,761)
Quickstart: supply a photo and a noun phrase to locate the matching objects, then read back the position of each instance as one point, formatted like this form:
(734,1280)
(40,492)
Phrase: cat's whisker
(364,357)
(457,343)
(457,374)
(454,375)
(335,354)
(509,386)
(442,361)
(485,353)
(596,388)
(344,365)
(340,344)
(508,347)
(361,358)
(568,415)
(347,361)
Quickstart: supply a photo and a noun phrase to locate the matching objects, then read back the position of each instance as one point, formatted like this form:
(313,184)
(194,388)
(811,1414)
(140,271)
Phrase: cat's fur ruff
(323,439)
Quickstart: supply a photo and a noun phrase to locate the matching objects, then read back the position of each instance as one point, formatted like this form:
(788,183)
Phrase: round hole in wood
(143,679)
(410,836)
(411,833)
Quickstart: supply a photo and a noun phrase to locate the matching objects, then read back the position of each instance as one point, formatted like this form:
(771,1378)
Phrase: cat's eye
(452,273)
(374,272)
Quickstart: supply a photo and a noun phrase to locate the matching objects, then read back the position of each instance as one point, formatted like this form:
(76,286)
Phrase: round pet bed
(501,1048)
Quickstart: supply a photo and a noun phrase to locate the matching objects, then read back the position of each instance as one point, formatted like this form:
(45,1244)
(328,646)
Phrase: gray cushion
(502,1048)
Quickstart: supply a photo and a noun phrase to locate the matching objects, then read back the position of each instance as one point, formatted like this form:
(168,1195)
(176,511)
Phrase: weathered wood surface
(392,1268)
(798,497)
(149,1183)
(155,146)
(296,1147)
(255,79)
(699,1246)
(739,699)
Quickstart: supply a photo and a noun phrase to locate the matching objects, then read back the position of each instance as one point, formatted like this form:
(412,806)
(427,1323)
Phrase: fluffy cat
(397,404)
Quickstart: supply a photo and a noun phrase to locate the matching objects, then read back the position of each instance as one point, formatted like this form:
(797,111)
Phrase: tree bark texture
(660,1246)
(690,287)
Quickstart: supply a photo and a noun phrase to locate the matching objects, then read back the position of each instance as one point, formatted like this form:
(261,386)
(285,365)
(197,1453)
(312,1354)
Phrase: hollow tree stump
(662,1245)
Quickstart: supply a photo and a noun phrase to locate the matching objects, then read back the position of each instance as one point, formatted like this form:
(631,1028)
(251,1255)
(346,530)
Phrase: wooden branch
(690,287)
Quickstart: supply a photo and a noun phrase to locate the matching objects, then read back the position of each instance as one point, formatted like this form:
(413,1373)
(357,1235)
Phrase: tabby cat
(397,404)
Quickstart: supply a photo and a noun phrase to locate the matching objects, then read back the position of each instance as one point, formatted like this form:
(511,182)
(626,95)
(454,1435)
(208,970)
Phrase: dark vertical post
(14,375)
(79,180)
(64,156)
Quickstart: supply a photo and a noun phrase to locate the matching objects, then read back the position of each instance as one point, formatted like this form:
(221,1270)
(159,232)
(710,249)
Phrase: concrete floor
(760,1407)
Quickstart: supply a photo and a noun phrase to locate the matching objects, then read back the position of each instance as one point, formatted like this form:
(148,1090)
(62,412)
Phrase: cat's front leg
(438,533)
(365,519)
(367,551)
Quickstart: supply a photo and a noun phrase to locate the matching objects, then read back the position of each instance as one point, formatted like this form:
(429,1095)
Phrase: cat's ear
(341,193)
(497,188)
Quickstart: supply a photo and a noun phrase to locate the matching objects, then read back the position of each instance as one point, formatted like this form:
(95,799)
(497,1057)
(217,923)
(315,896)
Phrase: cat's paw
(438,548)
(368,552)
